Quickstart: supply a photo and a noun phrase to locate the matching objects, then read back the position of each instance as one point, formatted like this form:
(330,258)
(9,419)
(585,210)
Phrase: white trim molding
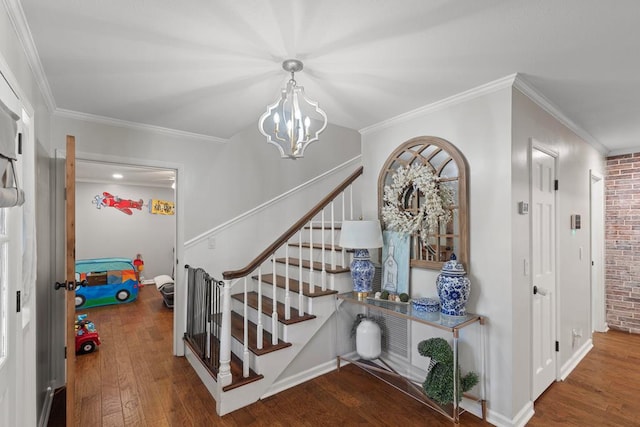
(577,357)
(516,81)
(19,21)
(93,118)
(444,103)
(533,94)
(300,378)
(623,151)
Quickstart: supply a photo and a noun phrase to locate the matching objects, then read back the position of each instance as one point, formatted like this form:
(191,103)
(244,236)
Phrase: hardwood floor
(133,380)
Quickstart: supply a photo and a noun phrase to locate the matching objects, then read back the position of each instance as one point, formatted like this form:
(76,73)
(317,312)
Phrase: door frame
(598,321)
(179,313)
(24,330)
(538,145)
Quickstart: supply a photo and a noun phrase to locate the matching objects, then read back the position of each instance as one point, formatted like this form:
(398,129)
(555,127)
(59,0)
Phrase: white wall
(107,232)
(480,128)
(48,306)
(234,244)
(493,131)
(575,159)
(220,180)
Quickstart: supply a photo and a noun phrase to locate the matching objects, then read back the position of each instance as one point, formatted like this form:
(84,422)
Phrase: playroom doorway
(128,211)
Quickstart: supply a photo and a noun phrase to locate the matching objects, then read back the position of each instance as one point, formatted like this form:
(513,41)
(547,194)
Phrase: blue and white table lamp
(361,236)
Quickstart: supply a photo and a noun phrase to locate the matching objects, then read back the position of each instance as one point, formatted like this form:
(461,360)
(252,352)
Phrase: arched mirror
(449,167)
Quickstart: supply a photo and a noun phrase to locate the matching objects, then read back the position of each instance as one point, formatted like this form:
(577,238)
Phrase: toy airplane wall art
(123,205)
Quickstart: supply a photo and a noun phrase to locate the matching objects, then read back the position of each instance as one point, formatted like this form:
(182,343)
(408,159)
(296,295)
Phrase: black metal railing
(203,317)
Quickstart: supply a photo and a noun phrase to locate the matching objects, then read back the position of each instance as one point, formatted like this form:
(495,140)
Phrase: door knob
(541,291)
(71,285)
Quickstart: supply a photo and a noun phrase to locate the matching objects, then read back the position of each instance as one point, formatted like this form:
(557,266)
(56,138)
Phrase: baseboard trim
(520,420)
(46,408)
(577,357)
(300,378)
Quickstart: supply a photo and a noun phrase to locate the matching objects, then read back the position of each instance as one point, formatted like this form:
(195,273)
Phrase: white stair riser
(237,348)
(252,315)
(319,306)
(317,255)
(340,282)
(317,236)
(294,273)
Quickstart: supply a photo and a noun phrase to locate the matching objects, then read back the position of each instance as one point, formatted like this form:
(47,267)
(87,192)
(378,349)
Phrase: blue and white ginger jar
(453,288)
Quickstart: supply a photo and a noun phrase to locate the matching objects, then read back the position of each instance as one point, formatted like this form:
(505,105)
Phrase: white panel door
(9,322)
(10,279)
(543,267)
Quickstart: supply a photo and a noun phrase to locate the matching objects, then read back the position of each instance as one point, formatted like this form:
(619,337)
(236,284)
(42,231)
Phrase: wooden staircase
(272,309)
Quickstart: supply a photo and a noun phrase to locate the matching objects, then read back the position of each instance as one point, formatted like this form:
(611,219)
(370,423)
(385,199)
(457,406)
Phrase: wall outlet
(576,334)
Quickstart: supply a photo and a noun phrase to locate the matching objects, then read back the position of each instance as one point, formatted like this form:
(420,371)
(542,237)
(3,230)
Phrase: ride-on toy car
(87,338)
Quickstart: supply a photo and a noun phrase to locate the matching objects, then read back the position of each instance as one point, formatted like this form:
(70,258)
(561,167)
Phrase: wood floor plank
(135,367)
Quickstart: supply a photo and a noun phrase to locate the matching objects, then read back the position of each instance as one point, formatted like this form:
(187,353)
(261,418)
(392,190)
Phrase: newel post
(224,373)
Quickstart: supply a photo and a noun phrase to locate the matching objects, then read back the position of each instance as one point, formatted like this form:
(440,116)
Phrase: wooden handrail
(235,274)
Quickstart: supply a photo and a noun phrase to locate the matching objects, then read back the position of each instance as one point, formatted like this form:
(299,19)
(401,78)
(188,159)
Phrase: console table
(381,369)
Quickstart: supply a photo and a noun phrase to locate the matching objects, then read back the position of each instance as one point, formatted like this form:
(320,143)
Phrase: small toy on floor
(138,264)
(87,338)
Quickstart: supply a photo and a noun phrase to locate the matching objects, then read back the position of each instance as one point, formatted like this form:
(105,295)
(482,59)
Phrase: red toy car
(87,338)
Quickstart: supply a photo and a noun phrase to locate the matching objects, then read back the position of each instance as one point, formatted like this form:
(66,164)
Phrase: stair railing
(269,255)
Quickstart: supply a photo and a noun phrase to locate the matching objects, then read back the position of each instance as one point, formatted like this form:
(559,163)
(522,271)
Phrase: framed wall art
(395,262)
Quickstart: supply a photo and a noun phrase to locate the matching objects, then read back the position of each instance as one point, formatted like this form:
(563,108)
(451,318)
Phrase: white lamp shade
(361,234)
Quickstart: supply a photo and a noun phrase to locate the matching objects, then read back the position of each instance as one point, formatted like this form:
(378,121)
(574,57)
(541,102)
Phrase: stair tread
(327,227)
(267,308)
(327,246)
(317,266)
(237,331)
(294,286)
(235,364)
(237,380)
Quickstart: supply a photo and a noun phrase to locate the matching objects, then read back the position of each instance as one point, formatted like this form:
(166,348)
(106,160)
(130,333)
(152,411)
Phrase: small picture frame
(395,262)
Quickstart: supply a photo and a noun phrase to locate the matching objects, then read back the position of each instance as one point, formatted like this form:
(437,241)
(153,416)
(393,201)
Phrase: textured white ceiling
(211,66)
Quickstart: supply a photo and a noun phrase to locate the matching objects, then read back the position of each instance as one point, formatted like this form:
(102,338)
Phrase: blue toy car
(105,281)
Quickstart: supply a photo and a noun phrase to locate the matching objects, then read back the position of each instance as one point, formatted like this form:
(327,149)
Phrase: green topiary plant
(439,382)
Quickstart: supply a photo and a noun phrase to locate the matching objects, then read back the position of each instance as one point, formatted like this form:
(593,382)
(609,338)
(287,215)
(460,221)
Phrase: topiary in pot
(439,382)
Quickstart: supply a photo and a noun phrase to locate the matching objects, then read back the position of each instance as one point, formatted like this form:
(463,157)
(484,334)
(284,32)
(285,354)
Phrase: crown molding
(19,21)
(76,115)
(515,80)
(532,93)
(444,103)
(623,151)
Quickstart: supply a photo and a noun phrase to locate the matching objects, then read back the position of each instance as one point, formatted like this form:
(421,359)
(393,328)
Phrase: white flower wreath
(433,210)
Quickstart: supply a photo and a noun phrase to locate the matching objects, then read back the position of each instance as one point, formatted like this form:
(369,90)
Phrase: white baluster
(311,284)
(300,292)
(274,314)
(343,250)
(333,237)
(224,373)
(245,338)
(324,269)
(351,201)
(287,297)
(259,326)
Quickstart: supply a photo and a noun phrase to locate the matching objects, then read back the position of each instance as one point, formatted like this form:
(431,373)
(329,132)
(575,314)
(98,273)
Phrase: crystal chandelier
(293,121)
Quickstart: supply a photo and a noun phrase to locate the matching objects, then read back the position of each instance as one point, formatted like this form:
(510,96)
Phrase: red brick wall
(622,242)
